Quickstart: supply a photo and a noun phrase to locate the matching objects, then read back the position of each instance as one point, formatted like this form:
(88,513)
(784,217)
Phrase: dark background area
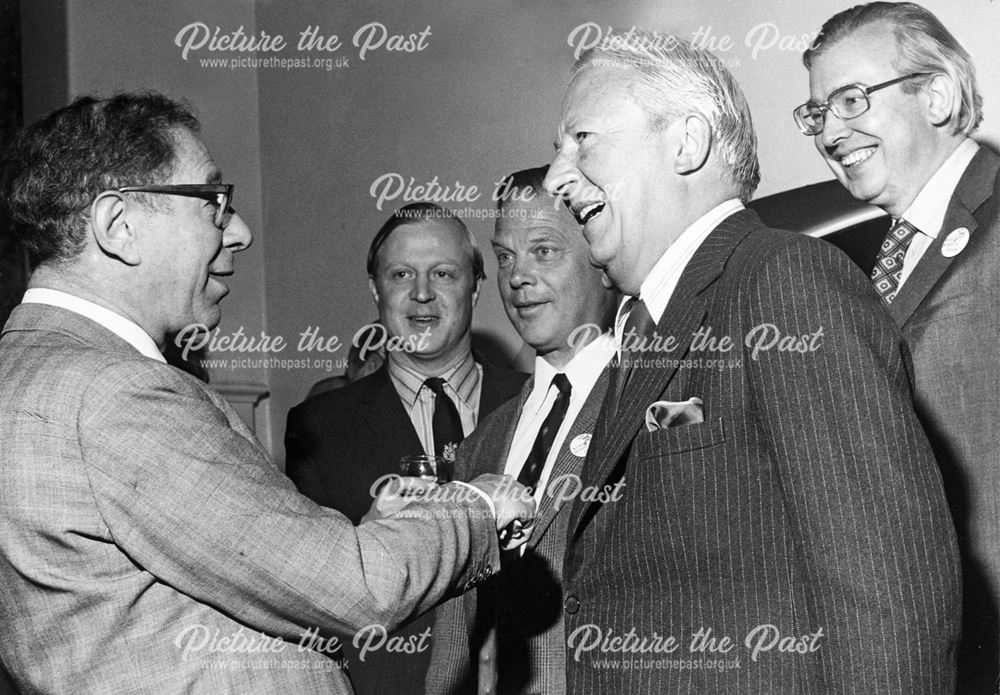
(13,264)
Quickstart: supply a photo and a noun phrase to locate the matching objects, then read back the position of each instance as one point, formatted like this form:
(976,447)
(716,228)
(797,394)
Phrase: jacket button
(571,604)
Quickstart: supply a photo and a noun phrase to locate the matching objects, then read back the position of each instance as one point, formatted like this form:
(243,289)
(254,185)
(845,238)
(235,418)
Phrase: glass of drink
(436,469)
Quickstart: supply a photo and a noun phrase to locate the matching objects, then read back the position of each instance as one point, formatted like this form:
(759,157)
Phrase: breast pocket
(677,440)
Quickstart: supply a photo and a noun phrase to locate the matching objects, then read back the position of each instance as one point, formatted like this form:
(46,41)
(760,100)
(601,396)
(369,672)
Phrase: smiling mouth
(856,157)
(586,212)
(527,307)
(424,320)
(218,280)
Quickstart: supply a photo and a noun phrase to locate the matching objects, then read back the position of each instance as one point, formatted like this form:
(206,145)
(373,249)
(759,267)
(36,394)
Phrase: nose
(423,289)
(562,176)
(835,129)
(236,236)
(521,273)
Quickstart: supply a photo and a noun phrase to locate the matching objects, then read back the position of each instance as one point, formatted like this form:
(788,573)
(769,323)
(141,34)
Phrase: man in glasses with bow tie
(147,541)
(893,105)
(783,527)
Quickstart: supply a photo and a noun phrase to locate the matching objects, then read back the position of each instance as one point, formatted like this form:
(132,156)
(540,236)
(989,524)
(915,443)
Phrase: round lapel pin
(955,242)
(580,444)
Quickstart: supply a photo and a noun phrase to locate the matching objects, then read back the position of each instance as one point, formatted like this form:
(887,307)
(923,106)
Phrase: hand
(514,505)
(398,492)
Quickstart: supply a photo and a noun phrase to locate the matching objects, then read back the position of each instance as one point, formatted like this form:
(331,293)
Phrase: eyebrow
(214,177)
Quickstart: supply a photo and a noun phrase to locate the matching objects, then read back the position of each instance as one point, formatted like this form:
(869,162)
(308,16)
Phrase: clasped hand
(514,505)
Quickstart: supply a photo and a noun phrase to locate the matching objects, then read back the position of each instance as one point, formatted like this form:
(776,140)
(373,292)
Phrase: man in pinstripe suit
(783,527)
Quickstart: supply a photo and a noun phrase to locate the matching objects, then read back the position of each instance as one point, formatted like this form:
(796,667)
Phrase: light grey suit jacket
(148,543)
(465,628)
(949,312)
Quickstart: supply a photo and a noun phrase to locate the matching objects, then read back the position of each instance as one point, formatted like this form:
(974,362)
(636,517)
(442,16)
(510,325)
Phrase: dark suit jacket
(463,659)
(337,445)
(140,517)
(949,311)
(808,500)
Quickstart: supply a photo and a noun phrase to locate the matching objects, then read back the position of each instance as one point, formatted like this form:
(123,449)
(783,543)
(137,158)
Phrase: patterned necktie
(446,423)
(889,262)
(532,469)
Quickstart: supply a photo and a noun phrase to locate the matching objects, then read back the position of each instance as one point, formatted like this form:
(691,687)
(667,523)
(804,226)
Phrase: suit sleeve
(857,476)
(191,496)
(453,668)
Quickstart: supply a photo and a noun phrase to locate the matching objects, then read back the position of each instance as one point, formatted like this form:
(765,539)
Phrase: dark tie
(889,262)
(638,326)
(525,587)
(446,423)
(532,469)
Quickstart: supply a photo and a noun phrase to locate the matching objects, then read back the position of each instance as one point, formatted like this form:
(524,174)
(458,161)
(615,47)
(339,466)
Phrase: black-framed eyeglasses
(846,103)
(219,194)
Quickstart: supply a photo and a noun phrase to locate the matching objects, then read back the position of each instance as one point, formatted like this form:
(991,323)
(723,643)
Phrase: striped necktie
(639,325)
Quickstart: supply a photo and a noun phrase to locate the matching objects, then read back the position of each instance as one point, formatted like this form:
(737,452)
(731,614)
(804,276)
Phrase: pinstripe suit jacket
(808,500)
(464,652)
(949,313)
(147,540)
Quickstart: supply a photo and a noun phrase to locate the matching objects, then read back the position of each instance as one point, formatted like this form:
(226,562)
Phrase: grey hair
(672,78)
(923,45)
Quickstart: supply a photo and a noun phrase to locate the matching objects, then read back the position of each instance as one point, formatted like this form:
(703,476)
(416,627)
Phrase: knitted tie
(889,262)
(446,423)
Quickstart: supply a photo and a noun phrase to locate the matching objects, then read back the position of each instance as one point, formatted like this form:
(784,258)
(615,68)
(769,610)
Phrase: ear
(373,287)
(940,93)
(475,292)
(694,144)
(112,232)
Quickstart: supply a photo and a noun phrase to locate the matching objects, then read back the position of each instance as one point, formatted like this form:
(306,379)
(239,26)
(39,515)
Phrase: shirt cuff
(486,498)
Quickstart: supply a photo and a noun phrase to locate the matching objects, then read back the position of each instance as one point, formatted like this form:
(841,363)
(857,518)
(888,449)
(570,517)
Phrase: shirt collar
(582,370)
(928,209)
(124,328)
(659,284)
(461,380)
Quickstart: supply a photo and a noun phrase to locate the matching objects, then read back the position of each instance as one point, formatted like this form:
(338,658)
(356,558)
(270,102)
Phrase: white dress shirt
(124,328)
(928,209)
(659,284)
(582,372)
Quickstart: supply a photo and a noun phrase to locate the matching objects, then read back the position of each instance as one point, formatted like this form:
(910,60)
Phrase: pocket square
(663,414)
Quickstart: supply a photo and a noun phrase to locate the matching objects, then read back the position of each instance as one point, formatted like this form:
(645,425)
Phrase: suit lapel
(682,317)
(496,459)
(973,189)
(387,418)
